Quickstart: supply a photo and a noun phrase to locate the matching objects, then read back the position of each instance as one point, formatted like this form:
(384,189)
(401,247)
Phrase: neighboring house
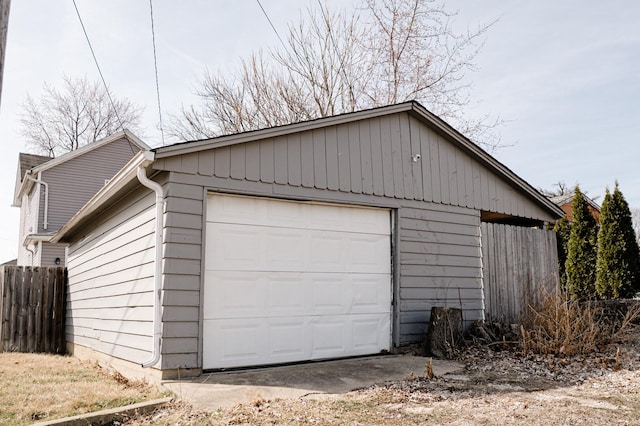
(565,202)
(49,191)
(321,239)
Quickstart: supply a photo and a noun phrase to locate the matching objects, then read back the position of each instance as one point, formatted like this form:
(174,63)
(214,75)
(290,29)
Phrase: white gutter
(157,278)
(46,198)
(33,238)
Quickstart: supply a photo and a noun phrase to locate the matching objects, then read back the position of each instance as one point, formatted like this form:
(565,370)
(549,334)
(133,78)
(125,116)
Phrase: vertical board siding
(110,291)
(372,156)
(440,265)
(517,264)
(319,159)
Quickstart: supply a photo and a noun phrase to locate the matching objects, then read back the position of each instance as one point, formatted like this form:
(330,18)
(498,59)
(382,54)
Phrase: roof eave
(271,132)
(115,184)
(25,186)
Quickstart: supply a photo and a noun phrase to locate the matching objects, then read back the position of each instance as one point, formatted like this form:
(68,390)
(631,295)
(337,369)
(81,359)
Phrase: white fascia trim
(127,174)
(34,238)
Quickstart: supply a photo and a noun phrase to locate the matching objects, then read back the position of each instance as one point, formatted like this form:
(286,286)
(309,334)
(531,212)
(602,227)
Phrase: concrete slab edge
(107,416)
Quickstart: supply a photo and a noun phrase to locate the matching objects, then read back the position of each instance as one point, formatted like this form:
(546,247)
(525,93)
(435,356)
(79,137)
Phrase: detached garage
(316,240)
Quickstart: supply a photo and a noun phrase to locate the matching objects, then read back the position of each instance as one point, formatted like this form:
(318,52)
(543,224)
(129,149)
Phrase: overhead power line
(155,64)
(86,36)
(272,26)
(104,82)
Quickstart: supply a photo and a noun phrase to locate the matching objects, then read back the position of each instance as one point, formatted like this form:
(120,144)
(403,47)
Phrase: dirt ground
(496,387)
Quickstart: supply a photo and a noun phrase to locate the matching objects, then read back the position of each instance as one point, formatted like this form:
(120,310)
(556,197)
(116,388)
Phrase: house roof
(561,200)
(127,176)
(26,162)
(40,163)
(412,107)
(29,161)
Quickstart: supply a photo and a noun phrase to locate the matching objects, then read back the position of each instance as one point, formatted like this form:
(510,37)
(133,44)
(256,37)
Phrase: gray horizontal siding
(74,182)
(50,252)
(110,293)
(371,157)
(439,265)
(182,267)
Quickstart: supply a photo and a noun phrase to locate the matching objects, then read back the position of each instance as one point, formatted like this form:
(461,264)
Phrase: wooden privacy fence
(517,263)
(32,317)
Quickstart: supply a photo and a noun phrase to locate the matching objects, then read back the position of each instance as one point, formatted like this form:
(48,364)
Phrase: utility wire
(98,66)
(155,64)
(104,82)
(272,26)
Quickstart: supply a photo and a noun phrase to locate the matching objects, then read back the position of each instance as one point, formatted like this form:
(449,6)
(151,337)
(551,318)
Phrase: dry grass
(555,324)
(37,387)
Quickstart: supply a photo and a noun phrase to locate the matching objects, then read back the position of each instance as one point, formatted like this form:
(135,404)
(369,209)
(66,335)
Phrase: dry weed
(558,325)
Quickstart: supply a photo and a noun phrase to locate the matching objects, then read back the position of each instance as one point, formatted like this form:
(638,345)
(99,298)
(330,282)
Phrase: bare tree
(560,188)
(79,113)
(385,52)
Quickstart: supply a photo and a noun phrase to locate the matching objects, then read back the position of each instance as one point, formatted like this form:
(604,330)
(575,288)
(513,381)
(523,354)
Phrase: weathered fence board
(516,262)
(32,309)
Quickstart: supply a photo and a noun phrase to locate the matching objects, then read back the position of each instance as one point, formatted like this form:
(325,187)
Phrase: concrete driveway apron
(227,389)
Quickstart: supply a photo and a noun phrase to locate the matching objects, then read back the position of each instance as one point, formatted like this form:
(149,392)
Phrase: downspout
(157,277)
(46,199)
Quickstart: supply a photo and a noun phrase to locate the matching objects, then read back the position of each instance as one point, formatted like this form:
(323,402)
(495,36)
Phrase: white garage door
(288,281)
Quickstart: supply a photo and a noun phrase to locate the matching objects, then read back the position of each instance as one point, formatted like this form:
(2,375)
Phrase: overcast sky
(565,75)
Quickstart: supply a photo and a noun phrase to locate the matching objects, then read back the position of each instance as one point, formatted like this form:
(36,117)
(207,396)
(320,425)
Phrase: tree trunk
(445,332)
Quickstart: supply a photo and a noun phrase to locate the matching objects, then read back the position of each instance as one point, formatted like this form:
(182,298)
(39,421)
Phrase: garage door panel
(370,254)
(234,343)
(329,337)
(285,249)
(297,215)
(370,294)
(301,281)
(234,295)
(233,247)
(287,338)
(330,295)
(240,294)
(237,343)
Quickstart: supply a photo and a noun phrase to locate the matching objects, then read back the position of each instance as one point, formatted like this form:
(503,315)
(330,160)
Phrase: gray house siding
(50,252)
(371,157)
(86,174)
(110,292)
(440,265)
